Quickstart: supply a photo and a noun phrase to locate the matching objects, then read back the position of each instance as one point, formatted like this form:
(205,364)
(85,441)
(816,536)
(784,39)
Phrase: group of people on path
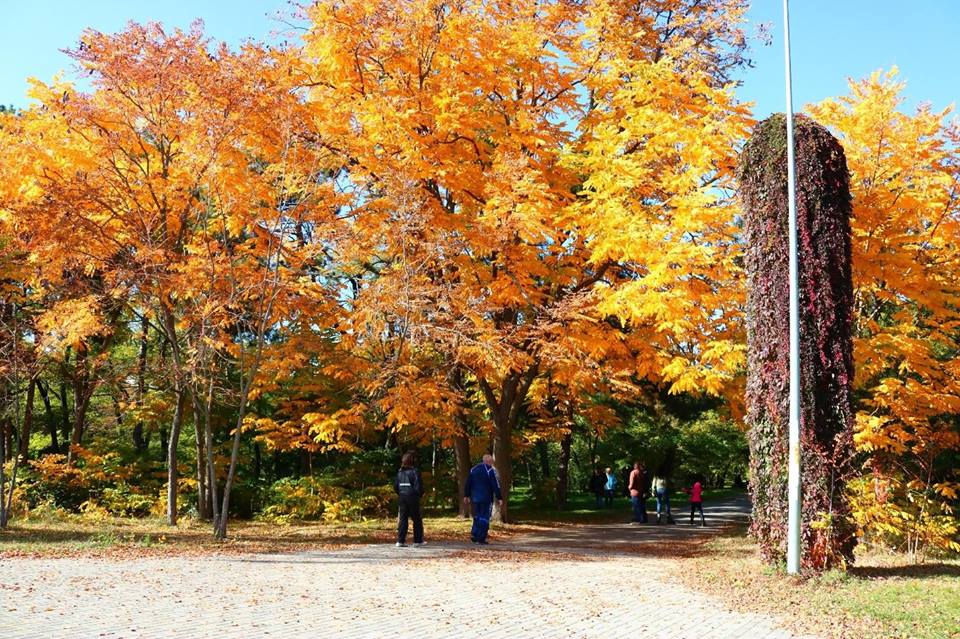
(481,490)
(604,487)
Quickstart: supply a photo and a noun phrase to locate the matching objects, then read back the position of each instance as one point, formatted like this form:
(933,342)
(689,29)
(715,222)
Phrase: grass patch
(883,597)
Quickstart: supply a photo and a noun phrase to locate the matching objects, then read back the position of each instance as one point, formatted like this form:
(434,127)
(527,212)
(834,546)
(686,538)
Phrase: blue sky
(832,40)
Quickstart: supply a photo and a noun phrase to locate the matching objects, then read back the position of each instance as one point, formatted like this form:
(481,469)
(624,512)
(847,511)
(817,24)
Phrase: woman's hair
(408,458)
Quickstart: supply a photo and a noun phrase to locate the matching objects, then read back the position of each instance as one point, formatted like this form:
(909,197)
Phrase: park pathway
(572,581)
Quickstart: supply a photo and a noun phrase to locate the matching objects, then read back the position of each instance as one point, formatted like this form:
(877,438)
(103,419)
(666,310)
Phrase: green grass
(882,597)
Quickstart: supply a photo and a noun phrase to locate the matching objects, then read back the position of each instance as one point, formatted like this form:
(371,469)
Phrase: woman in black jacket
(409,488)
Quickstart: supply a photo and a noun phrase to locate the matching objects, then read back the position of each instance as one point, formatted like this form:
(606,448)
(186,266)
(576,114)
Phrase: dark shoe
(473,540)
(400,544)
(484,542)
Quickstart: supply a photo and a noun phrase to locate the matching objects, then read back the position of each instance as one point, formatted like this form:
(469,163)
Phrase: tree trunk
(64,412)
(24,451)
(220,530)
(257,461)
(461,441)
(139,441)
(502,455)
(164,442)
(563,470)
(82,392)
(826,298)
(3,476)
(51,418)
(461,450)
(203,503)
(7,428)
(213,499)
(506,413)
(543,455)
(172,477)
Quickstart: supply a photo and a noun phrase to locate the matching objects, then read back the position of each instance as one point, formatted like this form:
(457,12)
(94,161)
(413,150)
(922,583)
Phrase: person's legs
(609,496)
(693,508)
(417,515)
(402,521)
(666,499)
(659,496)
(635,503)
(481,519)
(703,522)
(643,509)
(476,523)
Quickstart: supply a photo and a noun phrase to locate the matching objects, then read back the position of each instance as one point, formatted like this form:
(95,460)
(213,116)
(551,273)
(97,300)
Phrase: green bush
(315,498)
(123,502)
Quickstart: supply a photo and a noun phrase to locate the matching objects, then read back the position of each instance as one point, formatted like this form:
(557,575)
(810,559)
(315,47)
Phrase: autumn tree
(176,182)
(905,179)
(483,224)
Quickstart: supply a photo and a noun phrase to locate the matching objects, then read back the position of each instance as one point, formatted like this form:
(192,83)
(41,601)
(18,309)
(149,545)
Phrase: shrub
(122,501)
(314,499)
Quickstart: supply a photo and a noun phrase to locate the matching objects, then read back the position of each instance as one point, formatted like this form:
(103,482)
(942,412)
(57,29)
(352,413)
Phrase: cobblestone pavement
(576,582)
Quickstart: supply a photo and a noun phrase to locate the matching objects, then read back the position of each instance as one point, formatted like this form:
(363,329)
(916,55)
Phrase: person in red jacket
(638,497)
(696,502)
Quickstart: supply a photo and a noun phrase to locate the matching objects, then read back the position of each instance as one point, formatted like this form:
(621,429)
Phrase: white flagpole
(793,485)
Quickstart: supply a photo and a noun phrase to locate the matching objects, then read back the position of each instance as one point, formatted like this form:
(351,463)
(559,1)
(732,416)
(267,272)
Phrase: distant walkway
(571,581)
(649,538)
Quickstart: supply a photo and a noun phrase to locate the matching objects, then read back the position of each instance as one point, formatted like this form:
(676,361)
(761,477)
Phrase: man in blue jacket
(480,490)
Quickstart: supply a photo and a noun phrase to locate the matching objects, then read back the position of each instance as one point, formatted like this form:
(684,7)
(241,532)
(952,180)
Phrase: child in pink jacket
(696,502)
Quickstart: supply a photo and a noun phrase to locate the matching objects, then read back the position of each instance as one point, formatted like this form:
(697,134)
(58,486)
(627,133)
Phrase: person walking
(409,489)
(598,483)
(662,493)
(610,487)
(481,488)
(637,494)
(696,501)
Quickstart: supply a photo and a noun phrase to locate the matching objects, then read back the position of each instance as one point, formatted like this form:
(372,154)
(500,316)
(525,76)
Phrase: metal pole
(793,484)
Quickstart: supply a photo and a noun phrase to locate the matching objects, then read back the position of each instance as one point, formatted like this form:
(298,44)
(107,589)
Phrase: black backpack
(408,482)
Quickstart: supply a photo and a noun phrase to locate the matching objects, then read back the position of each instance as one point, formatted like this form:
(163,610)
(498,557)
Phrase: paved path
(575,581)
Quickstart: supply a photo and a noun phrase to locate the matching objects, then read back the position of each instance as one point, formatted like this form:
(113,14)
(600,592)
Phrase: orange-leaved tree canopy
(184,183)
(905,180)
(533,185)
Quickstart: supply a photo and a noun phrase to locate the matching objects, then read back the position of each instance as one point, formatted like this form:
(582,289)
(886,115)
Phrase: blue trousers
(482,510)
(639,509)
(663,502)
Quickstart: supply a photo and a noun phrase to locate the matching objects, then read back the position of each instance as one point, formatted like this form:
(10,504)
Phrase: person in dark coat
(598,482)
(481,488)
(409,488)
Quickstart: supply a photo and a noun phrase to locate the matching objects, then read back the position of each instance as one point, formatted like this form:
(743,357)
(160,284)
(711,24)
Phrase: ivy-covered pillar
(826,353)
